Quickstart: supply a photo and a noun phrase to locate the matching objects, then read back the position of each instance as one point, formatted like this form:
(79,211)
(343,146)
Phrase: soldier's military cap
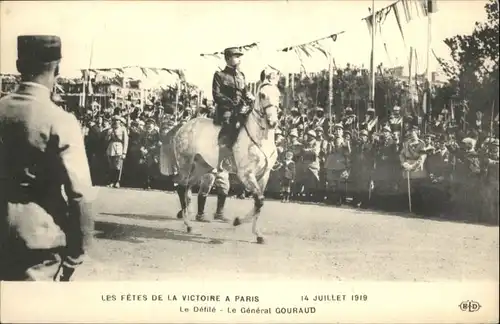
(338,126)
(495,142)
(294,132)
(363,132)
(311,132)
(300,126)
(39,48)
(150,121)
(141,122)
(319,109)
(371,109)
(161,107)
(319,130)
(294,109)
(232,51)
(348,109)
(396,108)
(347,132)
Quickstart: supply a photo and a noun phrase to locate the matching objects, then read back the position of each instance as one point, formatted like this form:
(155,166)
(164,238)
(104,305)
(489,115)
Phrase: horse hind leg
(184,193)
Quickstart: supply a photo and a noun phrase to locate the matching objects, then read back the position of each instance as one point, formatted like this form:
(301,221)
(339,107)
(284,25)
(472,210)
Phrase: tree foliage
(473,71)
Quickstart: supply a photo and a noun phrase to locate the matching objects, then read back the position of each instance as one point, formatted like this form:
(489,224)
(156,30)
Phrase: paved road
(139,238)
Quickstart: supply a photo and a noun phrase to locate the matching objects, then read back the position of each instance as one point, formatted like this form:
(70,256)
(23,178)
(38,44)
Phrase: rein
(260,115)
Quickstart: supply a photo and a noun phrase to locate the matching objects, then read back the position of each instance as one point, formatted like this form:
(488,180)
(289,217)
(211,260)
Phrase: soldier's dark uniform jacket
(229,92)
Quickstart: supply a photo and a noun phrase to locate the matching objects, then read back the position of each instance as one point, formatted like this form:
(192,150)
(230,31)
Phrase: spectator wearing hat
(386,173)
(45,231)
(135,163)
(273,187)
(319,120)
(466,193)
(362,165)
(287,175)
(350,120)
(322,144)
(187,115)
(117,146)
(95,151)
(151,145)
(371,120)
(309,167)
(337,166)
(438,167)
(295,118)
(396,121)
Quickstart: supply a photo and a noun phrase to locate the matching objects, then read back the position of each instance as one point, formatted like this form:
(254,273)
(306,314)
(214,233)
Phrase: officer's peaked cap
(39,48)
(231,51)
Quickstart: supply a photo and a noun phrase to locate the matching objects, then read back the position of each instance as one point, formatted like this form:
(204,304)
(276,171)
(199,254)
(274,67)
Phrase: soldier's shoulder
(63,121)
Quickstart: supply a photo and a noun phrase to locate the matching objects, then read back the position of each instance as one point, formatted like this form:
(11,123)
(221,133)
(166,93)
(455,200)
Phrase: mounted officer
(232,100)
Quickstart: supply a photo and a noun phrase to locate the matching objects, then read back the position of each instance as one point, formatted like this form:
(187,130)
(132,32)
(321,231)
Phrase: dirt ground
(139,238)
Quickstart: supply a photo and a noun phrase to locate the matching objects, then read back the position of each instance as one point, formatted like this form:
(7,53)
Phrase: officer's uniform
(363,162)
(386,172)
(41,152)
(337,168)
(230,96)
(117,147)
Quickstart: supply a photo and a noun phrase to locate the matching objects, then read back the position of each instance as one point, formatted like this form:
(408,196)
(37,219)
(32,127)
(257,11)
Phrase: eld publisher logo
(469,306)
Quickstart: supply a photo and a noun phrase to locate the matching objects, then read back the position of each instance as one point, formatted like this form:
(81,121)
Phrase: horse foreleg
(258,204)
(257,191)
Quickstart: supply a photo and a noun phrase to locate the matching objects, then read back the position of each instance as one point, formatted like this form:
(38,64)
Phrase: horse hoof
(189,229)
(179,214)
(260,240)
(236,222)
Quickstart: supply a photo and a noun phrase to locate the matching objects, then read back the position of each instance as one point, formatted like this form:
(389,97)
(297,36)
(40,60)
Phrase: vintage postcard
(249,161)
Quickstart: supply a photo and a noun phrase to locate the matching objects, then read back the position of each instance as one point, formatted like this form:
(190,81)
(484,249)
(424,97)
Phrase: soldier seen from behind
(45,232)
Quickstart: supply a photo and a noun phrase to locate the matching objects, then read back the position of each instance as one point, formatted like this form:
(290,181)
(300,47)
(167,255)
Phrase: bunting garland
(243,48)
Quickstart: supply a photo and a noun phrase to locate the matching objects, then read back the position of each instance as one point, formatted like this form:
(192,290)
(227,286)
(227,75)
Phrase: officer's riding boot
(219,213)
(200,216)
(224,144)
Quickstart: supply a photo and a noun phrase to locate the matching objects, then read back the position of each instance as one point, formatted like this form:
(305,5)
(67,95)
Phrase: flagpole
(428,70)
(410,82)
(330,83)
(372,58)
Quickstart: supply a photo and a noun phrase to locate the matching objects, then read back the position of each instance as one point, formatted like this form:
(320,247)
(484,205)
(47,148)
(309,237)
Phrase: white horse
(191,153)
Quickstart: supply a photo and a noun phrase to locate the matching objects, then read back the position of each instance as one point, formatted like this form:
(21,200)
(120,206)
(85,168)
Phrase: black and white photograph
(260,141)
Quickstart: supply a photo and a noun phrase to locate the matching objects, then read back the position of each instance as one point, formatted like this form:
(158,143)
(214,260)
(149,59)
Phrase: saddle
(230,126)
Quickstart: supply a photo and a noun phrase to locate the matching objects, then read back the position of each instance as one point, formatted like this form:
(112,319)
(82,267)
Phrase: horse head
(267,105)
